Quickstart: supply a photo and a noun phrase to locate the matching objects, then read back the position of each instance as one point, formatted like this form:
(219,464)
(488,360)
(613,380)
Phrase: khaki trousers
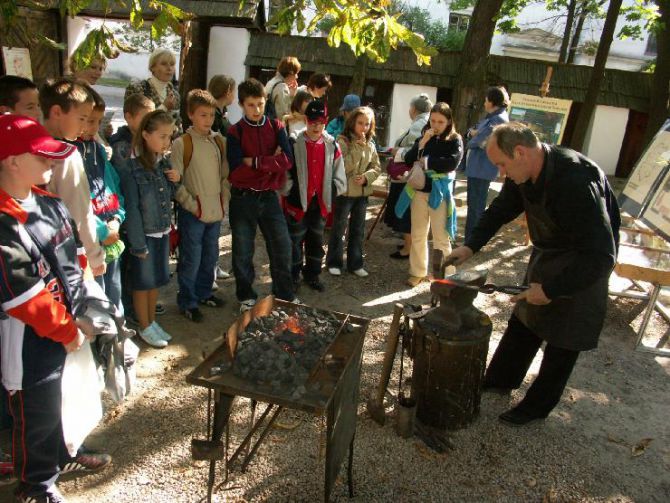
(423,216)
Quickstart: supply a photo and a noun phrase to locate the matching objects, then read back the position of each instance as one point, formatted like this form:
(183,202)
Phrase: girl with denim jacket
(148,185)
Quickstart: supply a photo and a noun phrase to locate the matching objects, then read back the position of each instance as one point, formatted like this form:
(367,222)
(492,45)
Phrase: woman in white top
(282,87)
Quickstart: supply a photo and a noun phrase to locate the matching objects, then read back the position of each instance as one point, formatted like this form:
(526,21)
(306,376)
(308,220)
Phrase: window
(459,22)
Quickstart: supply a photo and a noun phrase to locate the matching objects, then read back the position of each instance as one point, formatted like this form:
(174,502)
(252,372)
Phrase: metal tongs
(488,288)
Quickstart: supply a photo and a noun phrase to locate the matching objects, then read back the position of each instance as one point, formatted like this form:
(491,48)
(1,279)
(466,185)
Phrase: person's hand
(75,343)
(142,255)
(172,175)
(112,238)
(426,137)
(361,140)
(534,295)
(100,270)
(472,132)
(170,102)
(278,150)
(249,161)
(459,255)
(360,180)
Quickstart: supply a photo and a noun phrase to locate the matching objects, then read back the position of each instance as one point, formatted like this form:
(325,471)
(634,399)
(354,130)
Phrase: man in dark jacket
(573,221)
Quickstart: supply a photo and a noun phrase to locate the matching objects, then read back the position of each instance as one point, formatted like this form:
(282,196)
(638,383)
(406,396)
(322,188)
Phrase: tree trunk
(574,43)
(597,75)
(474,58)
(659,108)
(357,85)
(565,43)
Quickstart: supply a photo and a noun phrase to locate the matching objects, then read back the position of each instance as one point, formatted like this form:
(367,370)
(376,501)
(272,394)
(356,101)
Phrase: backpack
(188,148)
(270,109)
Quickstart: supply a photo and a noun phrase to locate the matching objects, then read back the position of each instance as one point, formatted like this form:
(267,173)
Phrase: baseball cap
(316,111)
(24,135)
(350,102)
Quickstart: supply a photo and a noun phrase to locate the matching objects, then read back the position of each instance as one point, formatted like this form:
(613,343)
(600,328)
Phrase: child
(317,85)
(135,107)
(295,121)
(318,163)
(362,168)
(106,199)
(39,291)
(66,105)
(200,158)
(336,126)
(19,95)
(148,181)
(259,157)
(222,87)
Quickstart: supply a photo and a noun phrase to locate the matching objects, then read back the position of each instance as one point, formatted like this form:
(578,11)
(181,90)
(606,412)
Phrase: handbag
(417,175)
(396,170)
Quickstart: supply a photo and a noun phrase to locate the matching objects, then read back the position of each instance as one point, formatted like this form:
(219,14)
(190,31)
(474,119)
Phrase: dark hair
(199,98)
(288,65)
(319,80)
(98,103)
(300,98)
(444,109)
(135,103)
(497,96)
(64,92)
(510,135)
(11,86)
(220,85)
(250,88)
(150,123)
(350,123)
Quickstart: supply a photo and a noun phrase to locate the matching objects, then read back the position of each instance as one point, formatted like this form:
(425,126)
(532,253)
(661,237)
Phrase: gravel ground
(582,452)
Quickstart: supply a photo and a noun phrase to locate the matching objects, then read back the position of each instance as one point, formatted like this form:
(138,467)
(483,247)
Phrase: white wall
(605,136)
(228,49)
(76,32)
(402,94)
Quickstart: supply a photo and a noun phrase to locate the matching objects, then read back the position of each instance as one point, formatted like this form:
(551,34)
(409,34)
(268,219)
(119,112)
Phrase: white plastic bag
(81,408)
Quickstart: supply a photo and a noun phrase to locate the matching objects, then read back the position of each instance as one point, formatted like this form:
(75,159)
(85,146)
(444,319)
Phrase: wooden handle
(389,354)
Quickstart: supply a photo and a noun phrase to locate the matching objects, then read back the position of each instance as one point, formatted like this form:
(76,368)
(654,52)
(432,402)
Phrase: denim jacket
(148,201)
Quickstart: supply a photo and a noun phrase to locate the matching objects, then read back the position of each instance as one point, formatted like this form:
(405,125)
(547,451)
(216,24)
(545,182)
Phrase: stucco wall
(605,135)
(402,94)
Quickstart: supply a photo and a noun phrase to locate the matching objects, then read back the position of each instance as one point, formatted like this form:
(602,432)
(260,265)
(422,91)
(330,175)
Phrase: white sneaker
(245,305)
(221,274)
(361,273)
(215,287)
(152,337)
(164,335)
(335,271)
(296,300)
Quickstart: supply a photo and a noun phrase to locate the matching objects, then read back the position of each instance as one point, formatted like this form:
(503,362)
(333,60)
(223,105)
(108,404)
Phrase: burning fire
(291,325)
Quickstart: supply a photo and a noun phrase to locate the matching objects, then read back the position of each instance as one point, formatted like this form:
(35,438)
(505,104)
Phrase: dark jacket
(148,201)
(444,156)
(259,141)
(121,143)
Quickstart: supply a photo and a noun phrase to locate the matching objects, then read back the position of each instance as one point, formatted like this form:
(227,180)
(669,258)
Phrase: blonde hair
(159,55)
(75,69)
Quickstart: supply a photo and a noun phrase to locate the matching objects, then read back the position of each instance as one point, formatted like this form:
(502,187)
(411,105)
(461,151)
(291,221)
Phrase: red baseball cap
(24,135)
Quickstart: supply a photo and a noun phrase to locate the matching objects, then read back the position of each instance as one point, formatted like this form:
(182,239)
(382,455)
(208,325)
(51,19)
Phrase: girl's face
(362,125)
(93,73)
(438,123)
(158,141)
(488,106)
(164,69)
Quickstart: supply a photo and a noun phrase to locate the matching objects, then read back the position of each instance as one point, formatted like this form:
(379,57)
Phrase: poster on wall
(545,116)
(17,62)
(657,214)
(647,175)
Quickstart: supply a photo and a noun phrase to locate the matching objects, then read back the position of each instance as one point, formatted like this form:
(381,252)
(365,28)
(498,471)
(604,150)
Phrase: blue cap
(350,102)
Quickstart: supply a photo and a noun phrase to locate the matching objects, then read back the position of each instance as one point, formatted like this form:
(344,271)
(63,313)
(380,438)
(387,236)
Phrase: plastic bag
(81,408)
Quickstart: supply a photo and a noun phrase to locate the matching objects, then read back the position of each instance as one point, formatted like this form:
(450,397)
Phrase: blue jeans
(307,232)
(478,192)
(351,211)
(198,255)
(250,209)
(111,283)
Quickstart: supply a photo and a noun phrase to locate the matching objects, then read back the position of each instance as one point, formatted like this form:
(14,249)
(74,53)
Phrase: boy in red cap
(40,287)
(318,167)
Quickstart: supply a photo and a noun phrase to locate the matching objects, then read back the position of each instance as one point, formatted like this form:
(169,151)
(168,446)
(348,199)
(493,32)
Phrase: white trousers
(423,216)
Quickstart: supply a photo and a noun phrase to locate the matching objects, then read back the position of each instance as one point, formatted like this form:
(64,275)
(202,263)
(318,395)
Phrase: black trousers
(511,361)
(307,234)
(37,437)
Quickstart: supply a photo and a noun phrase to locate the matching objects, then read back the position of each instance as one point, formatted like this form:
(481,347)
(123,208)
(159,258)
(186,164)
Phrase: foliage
(101,42)
(642,10)
(142,39)
(368,27)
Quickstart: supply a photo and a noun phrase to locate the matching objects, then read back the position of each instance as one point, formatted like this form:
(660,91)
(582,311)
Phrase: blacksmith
(573,221)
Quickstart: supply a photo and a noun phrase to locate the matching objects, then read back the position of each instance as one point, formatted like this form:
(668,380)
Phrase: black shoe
(399,256)
(315,284)
(160,309)
(87,462)
(194,314)
(516,417)
(212,301)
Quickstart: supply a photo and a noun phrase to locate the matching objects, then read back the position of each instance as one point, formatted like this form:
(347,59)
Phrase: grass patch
(112,82)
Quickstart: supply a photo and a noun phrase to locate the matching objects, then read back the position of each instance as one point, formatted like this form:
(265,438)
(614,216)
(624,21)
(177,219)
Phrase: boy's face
(202,118)
(72,123)
(29,169)
(28,104)
(133,121)
(315,129)
(253,107)
(92,124)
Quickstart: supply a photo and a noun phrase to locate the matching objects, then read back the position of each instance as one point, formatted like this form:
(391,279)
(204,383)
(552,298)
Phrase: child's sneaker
(87,462)
(245,305)
(221,274)
(194,314)
(335,271)
(52,496)
(212,301)
(164,335)
(361,273)
(152,337)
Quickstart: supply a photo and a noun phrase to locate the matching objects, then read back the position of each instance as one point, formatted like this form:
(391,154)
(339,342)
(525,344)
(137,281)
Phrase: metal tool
(488,288)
